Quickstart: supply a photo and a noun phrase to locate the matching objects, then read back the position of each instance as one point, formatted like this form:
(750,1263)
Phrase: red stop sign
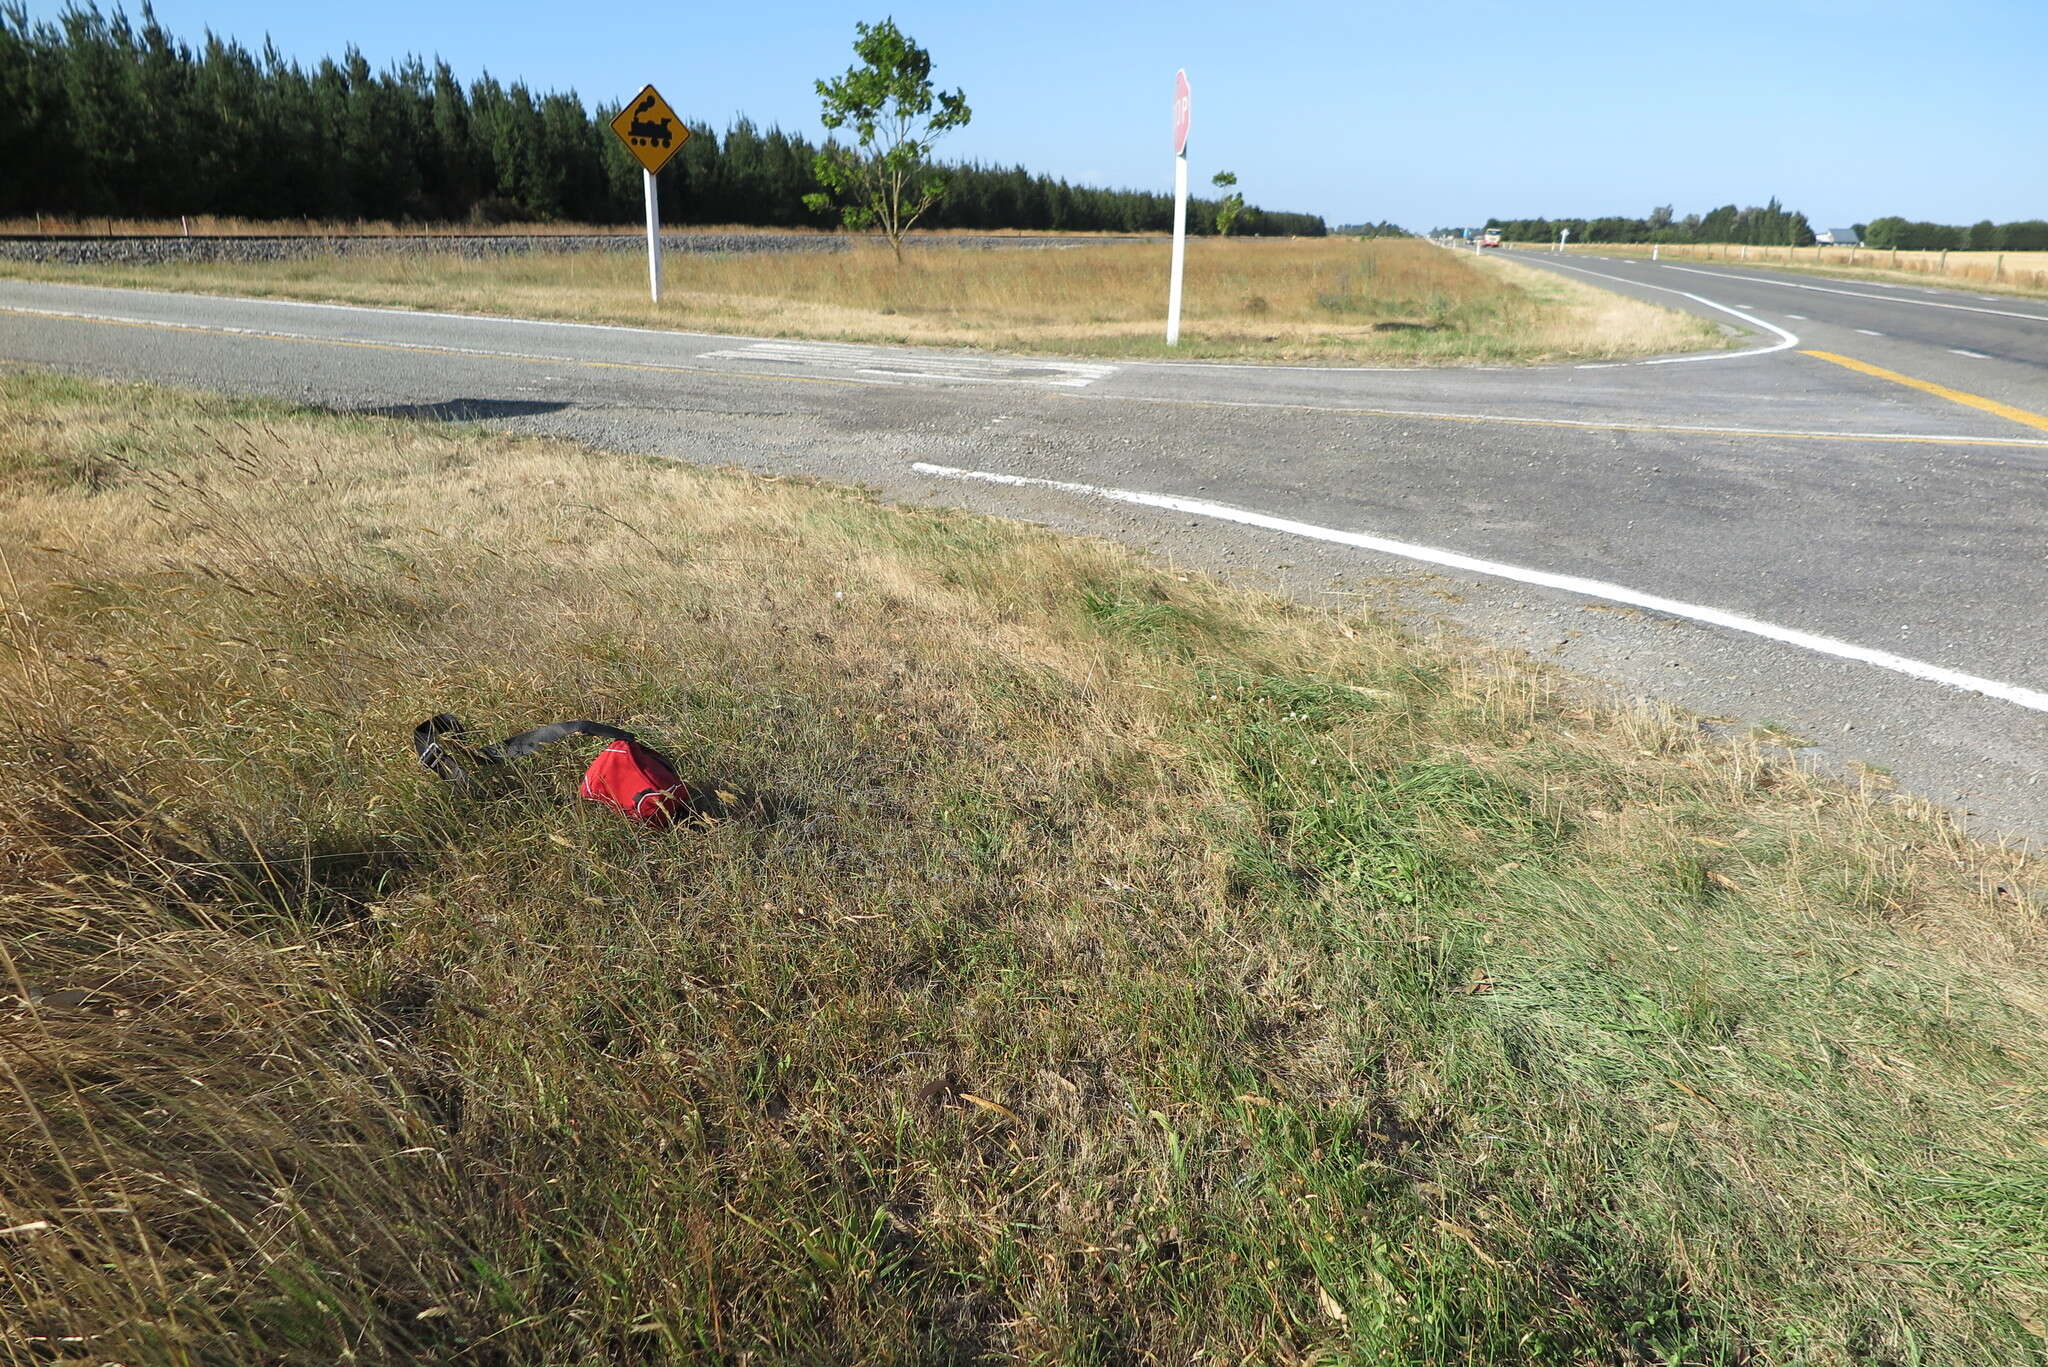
(1180,113)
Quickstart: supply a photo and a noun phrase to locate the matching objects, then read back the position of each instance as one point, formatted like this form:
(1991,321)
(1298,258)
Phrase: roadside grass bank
(2023,274)
(1073,961)
(1393,301)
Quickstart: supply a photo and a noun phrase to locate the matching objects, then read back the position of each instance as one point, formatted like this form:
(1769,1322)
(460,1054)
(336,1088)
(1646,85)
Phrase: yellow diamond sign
(650,129)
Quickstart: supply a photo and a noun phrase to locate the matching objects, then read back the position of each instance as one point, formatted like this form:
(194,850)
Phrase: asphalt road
(1762,535)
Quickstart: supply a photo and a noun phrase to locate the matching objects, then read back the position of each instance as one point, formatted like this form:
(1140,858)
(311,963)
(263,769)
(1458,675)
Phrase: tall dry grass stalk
(1070,962)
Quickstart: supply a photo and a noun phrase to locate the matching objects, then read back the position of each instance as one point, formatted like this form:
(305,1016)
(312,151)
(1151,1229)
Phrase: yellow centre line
(1570,424)
(1939,391)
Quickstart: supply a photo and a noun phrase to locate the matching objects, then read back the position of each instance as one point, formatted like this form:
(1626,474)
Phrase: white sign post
(653,236)
(1180,205)
(1564,235)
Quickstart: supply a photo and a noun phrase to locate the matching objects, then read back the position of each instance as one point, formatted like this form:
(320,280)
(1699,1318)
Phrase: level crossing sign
(650,129)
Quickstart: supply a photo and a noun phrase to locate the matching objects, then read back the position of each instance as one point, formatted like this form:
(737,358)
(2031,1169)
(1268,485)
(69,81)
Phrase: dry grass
(1078,963)
(1331,300)
(2018,273)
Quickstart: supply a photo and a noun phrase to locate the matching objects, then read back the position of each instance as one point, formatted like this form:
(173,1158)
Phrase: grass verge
(1073,962)
(1322,300)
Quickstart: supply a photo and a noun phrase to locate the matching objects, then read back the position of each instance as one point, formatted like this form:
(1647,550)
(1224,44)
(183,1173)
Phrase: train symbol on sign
(648,127)
(655,134)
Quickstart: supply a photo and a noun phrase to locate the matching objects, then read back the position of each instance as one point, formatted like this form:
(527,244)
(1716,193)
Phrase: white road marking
(1785,342)
(1973,355)
(1800,316)
(1869,333)
(919,365)
(2033,699)
(1858,294)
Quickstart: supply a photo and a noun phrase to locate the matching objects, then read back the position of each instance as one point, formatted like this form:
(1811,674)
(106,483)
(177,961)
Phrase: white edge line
(1854,294)
(1568,583)
(1786,339)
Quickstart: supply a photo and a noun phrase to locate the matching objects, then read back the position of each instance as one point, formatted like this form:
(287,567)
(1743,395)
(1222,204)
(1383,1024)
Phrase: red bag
(626,775)
(629,776)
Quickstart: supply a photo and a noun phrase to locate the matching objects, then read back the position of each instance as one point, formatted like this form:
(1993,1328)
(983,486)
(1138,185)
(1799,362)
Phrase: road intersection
(1866,467)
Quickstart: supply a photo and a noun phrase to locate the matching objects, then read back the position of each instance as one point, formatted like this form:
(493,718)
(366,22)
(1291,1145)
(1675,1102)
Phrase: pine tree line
(101,115)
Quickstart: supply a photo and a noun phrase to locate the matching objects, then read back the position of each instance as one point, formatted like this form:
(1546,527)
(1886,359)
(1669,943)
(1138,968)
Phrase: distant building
(1838,237)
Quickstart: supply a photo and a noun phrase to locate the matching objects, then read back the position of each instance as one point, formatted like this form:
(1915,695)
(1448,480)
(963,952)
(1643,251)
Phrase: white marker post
(653,237)
(1180,205)
(1564,235)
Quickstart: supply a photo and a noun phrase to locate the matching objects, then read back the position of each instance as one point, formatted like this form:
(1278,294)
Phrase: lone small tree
(886,183)
(1231,207)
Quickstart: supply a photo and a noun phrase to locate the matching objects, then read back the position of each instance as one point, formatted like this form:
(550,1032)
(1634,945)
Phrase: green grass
(1081,965)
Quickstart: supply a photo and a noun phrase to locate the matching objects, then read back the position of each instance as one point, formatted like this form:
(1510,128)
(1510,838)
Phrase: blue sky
(1424,113)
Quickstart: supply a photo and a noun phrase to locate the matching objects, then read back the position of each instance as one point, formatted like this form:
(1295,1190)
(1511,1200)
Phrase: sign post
(1180,205)
(653,134)
(653,193)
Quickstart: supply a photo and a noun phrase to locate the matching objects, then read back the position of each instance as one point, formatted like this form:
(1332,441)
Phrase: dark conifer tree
(103,115)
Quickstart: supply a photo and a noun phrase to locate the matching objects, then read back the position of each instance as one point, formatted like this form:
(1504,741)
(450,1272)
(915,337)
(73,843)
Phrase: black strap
(446,758)
(526,742)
